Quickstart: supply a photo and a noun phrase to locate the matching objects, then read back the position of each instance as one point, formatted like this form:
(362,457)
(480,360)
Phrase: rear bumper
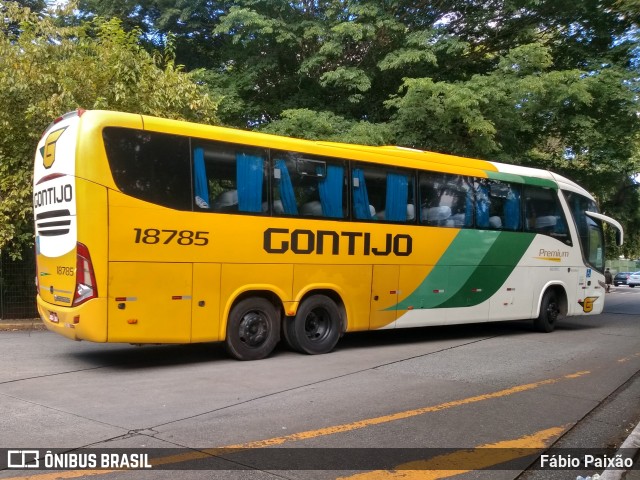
(85,322)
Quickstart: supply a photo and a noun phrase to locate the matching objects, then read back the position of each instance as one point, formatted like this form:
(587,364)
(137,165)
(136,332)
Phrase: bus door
(149,302)
(384,295)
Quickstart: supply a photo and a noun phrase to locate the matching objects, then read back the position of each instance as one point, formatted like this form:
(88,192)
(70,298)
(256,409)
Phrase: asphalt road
(420,403)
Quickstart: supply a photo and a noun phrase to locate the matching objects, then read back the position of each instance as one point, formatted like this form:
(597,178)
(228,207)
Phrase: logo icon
(587,304)
(23,458)
(49,149)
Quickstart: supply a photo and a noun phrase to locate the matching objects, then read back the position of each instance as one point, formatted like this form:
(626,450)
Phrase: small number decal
(153,236)
(68,271)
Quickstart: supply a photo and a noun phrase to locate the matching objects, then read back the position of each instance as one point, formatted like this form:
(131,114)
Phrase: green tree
(47,70)
(542,83)
(314,125)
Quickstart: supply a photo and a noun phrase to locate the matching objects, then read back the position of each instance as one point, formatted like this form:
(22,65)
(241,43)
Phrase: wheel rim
(317,325)
(254,329)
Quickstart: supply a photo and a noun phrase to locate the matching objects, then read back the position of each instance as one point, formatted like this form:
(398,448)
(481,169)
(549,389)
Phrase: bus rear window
(154,167)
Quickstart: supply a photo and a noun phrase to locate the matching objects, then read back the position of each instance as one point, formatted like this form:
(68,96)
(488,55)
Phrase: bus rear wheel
(549,312)
(316,327)
(253,329)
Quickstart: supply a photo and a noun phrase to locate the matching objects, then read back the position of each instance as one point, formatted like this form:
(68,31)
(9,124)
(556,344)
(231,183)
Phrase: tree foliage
(47,70)
(542,83)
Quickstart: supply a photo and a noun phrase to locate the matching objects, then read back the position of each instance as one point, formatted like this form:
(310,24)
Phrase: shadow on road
(124,356)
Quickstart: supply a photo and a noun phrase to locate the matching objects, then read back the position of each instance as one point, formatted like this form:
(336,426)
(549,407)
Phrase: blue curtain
(249,176)
(468,212)
(397,195)
(512,210)
(482,206)
(360,196)
(200,178)
(330,189)
(287,195)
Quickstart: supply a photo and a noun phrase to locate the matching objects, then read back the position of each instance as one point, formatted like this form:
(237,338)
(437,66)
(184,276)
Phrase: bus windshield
(590,229)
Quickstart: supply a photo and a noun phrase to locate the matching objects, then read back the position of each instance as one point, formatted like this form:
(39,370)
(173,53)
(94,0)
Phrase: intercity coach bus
(151,230)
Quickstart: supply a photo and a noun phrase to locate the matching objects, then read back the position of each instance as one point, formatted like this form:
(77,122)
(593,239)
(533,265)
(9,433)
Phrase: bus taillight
(86,287)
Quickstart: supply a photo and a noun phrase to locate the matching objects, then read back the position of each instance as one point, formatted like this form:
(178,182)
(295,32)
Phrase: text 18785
(155,236)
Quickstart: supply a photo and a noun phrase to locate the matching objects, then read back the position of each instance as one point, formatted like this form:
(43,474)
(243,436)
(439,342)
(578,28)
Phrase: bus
(150,230)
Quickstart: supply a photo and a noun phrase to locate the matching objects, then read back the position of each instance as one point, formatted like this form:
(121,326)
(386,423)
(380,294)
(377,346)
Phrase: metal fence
(17,286)
(623,265)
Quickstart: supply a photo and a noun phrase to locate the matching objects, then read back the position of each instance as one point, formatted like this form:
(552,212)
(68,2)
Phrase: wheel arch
(259,291)
(561,292)
(333,294)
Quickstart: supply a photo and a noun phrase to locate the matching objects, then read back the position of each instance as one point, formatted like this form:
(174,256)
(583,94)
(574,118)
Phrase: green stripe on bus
(464,254)
(513,178)
(472,269)
(506,177)
(493,270)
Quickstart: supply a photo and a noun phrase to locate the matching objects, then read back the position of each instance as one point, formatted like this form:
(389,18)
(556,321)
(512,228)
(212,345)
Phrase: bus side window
(483,203)
(383,194)
(229,178)
(544,213)
(497,205)
(512,208)
(446,200)
(150,166)
(307,185)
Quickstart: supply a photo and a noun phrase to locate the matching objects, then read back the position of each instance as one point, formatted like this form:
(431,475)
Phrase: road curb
(21,324)
(630,445)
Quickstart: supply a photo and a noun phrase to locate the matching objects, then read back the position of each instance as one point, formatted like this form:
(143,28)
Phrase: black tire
(549,312)
(253,329)
(316,327)
(289,334)
(632,285)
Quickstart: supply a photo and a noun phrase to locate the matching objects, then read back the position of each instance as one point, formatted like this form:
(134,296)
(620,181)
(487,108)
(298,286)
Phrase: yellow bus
(151,230)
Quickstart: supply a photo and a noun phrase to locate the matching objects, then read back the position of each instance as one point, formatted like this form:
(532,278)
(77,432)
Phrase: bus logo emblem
(49,149)
(587,304)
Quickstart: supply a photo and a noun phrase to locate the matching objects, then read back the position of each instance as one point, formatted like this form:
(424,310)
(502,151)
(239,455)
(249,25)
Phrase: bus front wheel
(253,329)
(549,312)
(316,327)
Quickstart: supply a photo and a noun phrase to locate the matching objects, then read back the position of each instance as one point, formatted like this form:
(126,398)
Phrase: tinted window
(590,230)
(497,205)
(229,178)
(382,194)
(309,186)
(150,166)
(446,200)
(543,213)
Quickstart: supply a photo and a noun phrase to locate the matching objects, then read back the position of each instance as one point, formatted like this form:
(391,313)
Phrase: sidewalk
(633,442)
(630,447)
(21,324)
